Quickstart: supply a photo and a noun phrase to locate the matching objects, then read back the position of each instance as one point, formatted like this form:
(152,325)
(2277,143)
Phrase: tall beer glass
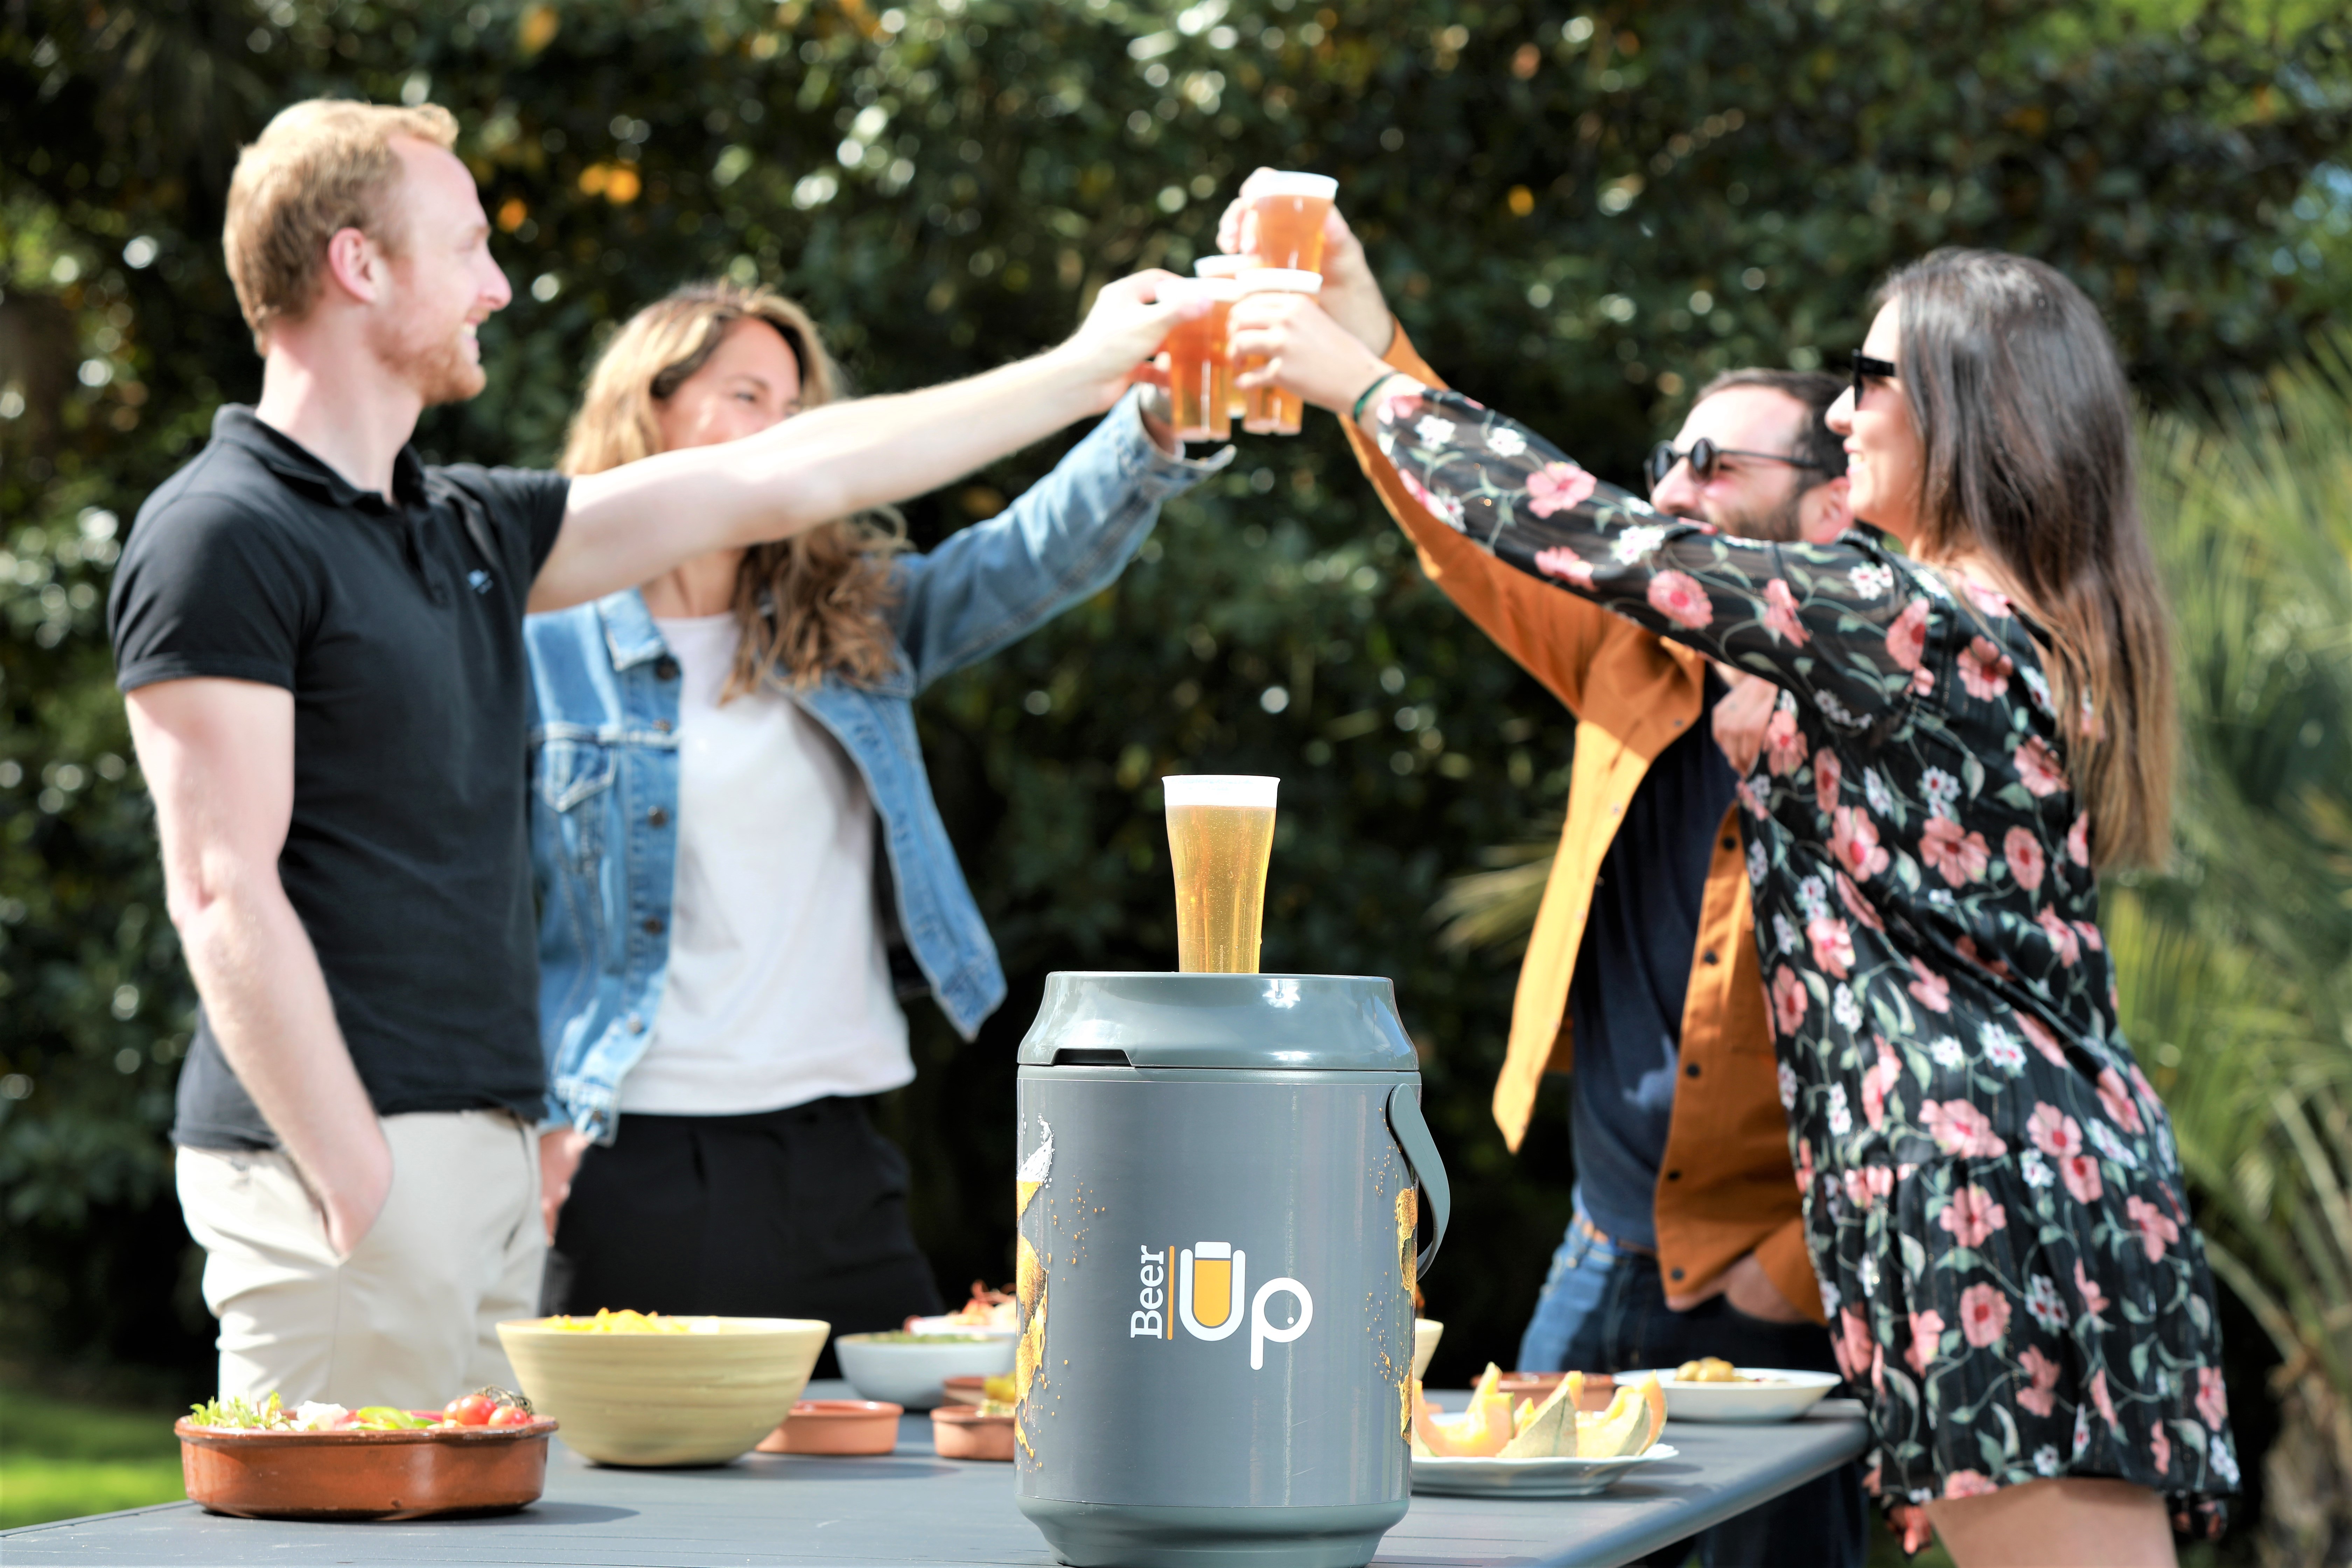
(1220,833)
(1200,373)
(1269,410)
(1228,269)
(1288,210)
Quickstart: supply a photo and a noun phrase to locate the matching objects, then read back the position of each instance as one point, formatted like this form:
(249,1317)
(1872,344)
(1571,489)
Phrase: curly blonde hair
(808,605)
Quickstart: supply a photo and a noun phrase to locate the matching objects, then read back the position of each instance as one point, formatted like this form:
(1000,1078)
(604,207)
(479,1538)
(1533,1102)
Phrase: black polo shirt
(398,627)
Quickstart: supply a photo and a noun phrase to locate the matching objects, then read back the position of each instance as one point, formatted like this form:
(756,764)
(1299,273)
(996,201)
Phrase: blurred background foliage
(1581,212)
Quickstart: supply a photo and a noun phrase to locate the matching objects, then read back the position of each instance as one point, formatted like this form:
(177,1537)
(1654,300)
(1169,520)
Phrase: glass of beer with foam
(1200,373)
(1269,410)
(1220,833)
(1228,269)
(1287,210)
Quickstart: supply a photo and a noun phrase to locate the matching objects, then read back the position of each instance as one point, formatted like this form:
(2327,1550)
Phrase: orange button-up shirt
(1727,1187)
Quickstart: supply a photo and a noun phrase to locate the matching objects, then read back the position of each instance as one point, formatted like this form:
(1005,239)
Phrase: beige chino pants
(410,1319)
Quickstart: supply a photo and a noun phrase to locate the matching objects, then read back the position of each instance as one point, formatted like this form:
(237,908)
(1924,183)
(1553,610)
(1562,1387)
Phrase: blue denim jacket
(604,758)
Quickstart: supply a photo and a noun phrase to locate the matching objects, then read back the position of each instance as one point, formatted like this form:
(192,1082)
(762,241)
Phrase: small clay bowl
(451,1473)
(1598,1390)
(964,1390)
(836,1426)
(961,1432)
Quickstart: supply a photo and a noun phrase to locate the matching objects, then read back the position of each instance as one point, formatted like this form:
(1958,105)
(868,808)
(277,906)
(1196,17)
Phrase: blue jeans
(1603,1308)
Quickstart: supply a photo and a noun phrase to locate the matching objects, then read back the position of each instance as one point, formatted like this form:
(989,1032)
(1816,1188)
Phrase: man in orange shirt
(1641,972)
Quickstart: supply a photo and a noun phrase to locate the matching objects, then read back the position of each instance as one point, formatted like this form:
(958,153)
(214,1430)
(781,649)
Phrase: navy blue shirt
(1625,1002)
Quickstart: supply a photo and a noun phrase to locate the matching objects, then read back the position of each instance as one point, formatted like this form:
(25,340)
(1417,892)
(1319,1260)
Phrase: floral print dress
(1992,1197)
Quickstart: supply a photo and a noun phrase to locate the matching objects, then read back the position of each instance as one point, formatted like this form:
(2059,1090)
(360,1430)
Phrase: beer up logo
(1200,1290)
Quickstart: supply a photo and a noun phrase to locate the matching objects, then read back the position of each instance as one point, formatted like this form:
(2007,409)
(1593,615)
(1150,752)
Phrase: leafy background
(1579,211)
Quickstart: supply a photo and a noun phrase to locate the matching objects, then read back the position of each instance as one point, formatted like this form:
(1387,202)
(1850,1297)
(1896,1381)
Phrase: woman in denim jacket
(742,866)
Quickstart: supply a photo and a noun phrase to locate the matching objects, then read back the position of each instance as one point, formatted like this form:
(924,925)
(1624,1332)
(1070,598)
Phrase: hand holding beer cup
(1200,377)
(1114,346)
(1350,293)
(1296,346)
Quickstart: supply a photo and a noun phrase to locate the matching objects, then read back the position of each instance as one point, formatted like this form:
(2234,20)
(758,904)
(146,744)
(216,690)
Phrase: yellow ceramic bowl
(697,1398)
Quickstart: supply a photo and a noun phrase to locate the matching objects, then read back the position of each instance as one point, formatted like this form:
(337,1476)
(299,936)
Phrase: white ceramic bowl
(908,1371)
(1788,1396)
(1425,1335)
(695,1398)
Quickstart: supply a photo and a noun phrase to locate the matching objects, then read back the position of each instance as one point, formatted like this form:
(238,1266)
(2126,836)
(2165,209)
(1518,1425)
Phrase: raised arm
(631,523)
(219,761)
(1844,625)
(1065,537)
(1838,624)
(1552,636)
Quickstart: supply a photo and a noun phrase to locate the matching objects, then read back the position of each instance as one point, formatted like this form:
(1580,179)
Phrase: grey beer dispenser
(1220,1176)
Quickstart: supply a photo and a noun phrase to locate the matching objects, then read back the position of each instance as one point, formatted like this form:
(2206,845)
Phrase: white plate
(1789,1396)
(1528,1478)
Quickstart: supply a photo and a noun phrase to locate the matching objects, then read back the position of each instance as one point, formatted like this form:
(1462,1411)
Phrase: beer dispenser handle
(1412,1134)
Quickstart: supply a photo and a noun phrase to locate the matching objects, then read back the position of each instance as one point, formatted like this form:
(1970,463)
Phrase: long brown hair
(2026,419)
(808,605)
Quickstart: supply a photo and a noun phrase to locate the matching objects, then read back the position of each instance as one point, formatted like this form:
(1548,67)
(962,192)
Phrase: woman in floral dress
(1993,1201)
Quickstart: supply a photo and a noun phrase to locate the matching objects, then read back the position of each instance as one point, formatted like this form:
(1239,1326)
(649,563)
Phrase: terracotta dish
(964,1390)
(1598,1390)
(836,1426)
(699,1397)
(961,1432)
(454,1473)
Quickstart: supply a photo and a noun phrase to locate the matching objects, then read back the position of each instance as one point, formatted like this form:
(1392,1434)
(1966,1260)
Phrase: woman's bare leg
(2073,1522)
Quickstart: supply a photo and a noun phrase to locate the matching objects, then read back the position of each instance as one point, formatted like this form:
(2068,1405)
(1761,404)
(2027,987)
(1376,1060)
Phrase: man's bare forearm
(630,524)
(828,463)
(267,1001)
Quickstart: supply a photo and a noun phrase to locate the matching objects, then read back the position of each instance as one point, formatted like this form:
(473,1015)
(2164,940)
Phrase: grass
(61,1458)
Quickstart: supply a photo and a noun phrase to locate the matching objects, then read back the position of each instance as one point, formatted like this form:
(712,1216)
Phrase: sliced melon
(1654,1399)
(1550,1432)
(1480,1432)
(1621,1430)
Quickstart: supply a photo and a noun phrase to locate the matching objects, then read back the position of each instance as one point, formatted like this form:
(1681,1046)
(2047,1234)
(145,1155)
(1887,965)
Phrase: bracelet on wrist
(1357,414)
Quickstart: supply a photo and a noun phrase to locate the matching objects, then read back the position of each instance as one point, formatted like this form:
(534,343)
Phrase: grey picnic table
(914,1507)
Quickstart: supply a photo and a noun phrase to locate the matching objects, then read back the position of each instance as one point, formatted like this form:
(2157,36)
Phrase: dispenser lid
(1268,1023)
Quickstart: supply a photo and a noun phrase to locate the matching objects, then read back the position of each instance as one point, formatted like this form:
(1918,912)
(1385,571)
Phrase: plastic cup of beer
(1228,267)
(1289,209)
(1200,373)
(1269,410)
(1220,833)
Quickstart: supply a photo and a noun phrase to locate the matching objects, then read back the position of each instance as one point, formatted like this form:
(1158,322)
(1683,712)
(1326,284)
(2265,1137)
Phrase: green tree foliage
(1580,214)
(2235,968)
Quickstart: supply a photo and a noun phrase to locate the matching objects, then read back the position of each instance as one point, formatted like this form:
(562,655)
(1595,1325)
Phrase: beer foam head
(1177,290)
(1223,265)
(1280,280)
(1290,183)
(1220,789)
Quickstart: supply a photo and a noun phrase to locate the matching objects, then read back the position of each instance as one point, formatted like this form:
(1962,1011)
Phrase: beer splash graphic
(1408,1220)
(1029,1280)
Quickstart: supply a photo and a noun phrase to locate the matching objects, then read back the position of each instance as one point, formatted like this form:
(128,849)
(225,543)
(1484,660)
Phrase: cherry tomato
(471,1409)
(511,1415)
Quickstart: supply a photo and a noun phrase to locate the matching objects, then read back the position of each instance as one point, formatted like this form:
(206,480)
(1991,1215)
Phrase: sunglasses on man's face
(1866,369)
(1706,458)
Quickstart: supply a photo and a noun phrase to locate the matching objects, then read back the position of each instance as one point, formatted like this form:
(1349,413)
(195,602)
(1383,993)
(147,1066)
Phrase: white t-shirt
(778,988)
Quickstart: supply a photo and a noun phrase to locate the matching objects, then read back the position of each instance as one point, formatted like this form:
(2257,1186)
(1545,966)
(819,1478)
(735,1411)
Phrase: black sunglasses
(1868,369)
(1704,457)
